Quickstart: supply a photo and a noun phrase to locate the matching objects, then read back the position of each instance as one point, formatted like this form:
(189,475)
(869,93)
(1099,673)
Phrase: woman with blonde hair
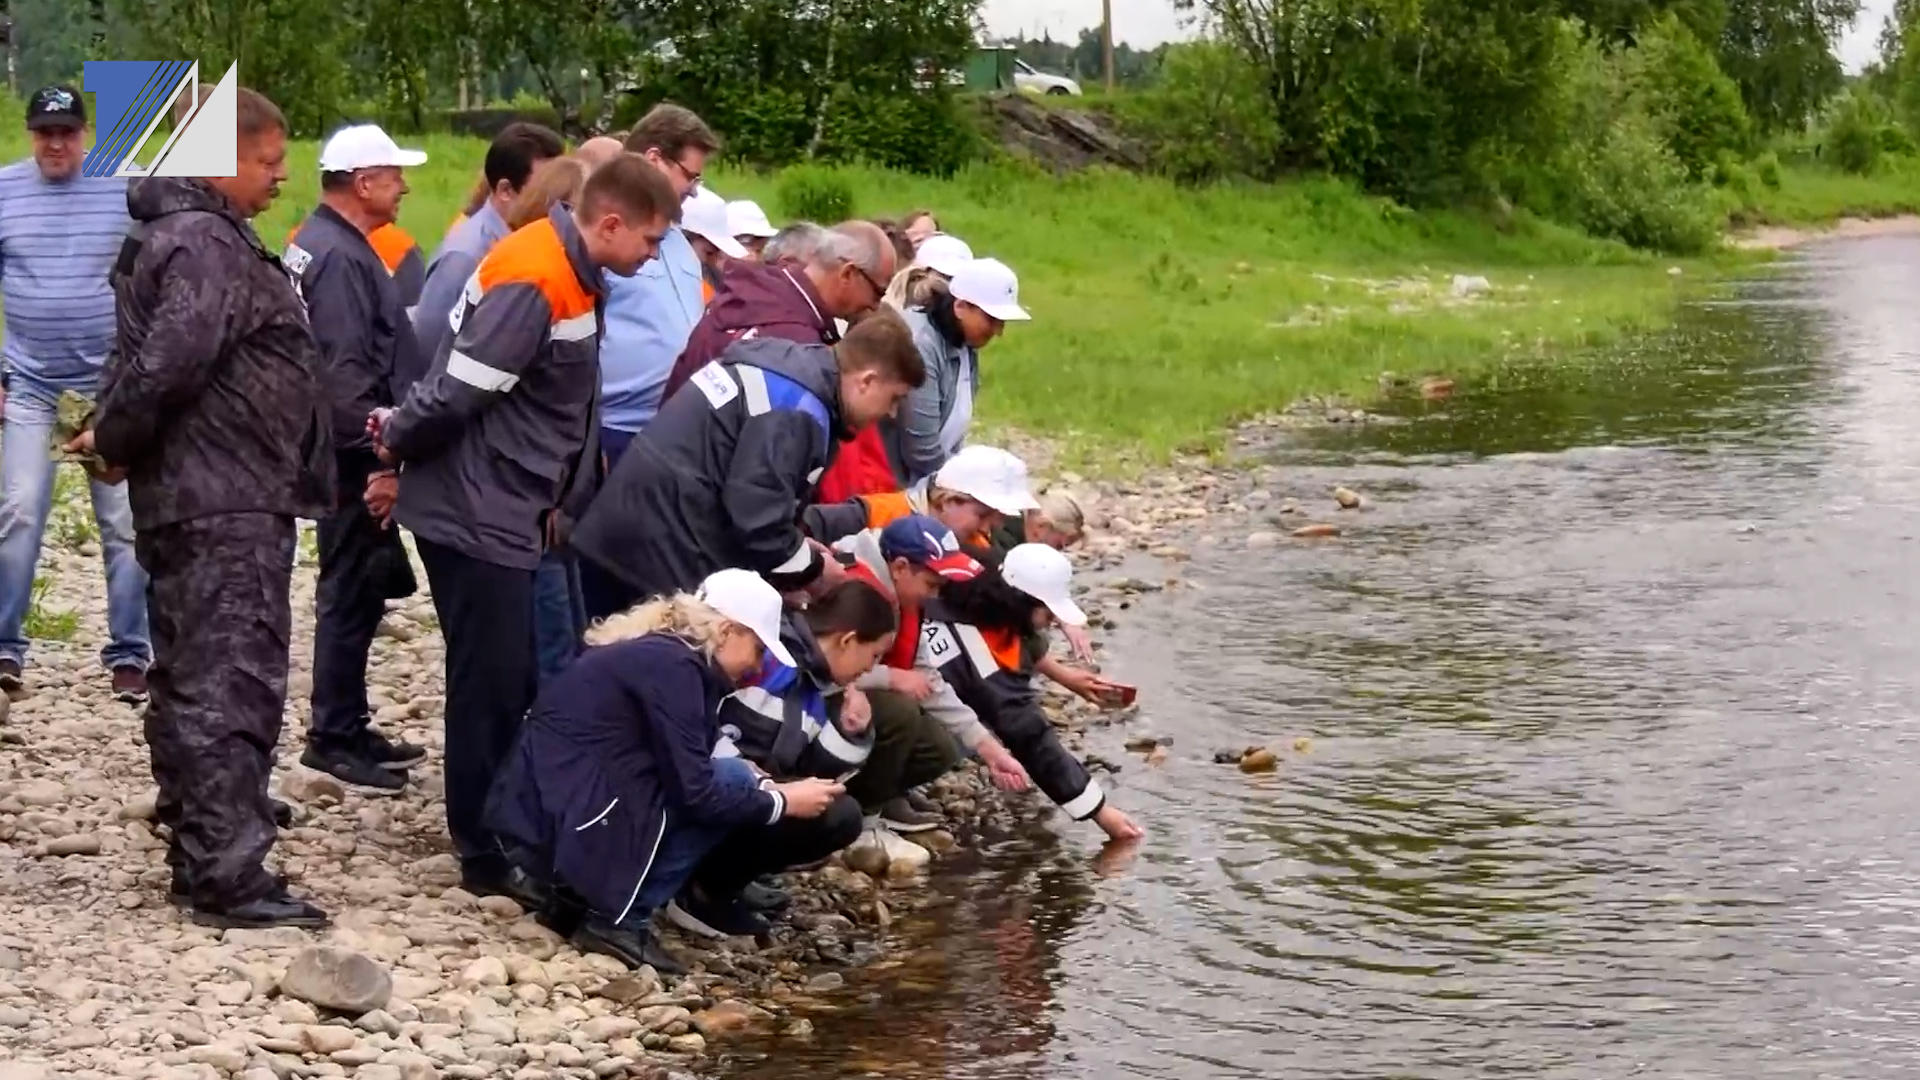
(612,791)
(559,180)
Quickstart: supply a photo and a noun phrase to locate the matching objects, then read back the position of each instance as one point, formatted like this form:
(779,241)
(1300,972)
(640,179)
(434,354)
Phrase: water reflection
(1611,692)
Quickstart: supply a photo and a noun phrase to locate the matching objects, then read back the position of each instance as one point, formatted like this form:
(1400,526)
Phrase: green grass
(1162,315)
(1812,195)
(46,624)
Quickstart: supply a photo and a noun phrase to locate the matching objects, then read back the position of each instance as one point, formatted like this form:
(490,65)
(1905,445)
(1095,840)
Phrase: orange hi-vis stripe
(537,256)
(1005,645)
(392,244)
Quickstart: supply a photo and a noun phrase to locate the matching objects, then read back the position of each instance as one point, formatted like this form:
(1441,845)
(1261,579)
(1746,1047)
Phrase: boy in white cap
(704,217)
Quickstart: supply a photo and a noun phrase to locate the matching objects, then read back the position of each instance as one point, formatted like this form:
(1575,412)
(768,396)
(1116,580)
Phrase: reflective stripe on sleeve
(478,375)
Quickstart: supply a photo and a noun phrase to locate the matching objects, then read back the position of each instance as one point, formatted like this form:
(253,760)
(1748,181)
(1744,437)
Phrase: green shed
(991,68)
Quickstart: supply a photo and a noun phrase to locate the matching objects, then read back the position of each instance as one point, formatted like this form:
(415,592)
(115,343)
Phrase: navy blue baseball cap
(923,541)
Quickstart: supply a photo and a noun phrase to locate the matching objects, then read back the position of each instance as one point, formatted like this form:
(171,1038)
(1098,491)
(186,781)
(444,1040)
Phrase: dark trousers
(754,850)
(605,594)
(219,608)
(486,617)
(362,566)
(909,749)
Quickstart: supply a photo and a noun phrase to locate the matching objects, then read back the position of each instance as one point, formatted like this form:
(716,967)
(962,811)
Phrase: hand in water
(1117,825)
(1116,857)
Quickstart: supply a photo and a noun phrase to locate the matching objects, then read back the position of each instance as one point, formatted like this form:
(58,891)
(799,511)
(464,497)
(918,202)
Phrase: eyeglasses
(693,178)
(879,290)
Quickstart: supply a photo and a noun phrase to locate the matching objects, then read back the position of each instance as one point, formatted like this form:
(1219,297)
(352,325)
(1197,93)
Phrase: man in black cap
(59,234)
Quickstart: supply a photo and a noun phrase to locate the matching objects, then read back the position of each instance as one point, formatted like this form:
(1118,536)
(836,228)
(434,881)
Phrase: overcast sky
(1146,23)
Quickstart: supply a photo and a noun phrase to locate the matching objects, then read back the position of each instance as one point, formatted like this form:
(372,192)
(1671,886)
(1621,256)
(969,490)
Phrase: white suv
(1038,82)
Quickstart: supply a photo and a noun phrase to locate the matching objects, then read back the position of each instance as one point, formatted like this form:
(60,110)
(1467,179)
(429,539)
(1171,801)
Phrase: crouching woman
(611,790)
(794,720)
(979,636)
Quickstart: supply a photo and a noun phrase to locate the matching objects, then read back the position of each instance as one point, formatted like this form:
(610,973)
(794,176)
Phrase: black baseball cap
(56,106)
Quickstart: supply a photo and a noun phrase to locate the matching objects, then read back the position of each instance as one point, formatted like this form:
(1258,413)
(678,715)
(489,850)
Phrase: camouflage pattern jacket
(212,398)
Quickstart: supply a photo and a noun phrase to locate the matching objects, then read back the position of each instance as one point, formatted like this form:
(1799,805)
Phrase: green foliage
(1784,56)
(816,193)
(1207,119)
(1855,131)
(1694,106)
(44,623)
(1767,168)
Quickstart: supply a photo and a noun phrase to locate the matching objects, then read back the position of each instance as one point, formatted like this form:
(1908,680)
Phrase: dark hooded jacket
(719,478)
(753,301)
(213,398)
(786,719)
(616,751)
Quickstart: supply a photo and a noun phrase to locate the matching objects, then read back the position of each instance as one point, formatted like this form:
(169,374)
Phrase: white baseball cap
(1046,575)
(991,475)
(745,597)
(745,218)
(365,146)
(704,214)
(989,285)
(943,254)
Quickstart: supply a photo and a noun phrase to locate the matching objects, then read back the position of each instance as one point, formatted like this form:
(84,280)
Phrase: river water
(1614,761)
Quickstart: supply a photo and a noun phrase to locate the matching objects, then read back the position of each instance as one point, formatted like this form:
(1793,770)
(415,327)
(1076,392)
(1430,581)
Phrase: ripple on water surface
(1612,695)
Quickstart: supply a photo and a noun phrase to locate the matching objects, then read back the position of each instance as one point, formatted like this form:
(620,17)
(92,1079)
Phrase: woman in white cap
(750,226)
(981,297)
(979,634)
(933,265)
(704,218)
(972,494)
(611,789)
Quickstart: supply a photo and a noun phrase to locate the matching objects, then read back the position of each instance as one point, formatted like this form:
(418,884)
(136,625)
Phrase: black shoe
(355,769)
(278,908)
(180,893)
(899,815)
(12,683)
(760,896)
(631,947)
(922,803)
(715,918)
(282,814)
(516,885)
(391,753)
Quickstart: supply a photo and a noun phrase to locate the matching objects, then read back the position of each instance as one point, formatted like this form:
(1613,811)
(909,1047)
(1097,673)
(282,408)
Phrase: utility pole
(1106,40)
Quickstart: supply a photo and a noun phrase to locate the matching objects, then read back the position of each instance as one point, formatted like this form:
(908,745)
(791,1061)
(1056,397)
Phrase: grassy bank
(1162,315)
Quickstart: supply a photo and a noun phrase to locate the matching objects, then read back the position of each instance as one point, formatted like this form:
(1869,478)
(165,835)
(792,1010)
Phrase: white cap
(745,597)
(365,146)
(943,254)
(745,218)
(989,285)
(1046,575)
(991,475)
(704,214)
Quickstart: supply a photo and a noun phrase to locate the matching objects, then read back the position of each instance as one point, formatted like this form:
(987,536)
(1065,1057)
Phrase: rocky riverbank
(100,977)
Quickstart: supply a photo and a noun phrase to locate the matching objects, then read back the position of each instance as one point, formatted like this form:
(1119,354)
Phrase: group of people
(721,578)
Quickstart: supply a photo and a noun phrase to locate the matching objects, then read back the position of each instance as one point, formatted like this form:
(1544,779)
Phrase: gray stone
(345,982)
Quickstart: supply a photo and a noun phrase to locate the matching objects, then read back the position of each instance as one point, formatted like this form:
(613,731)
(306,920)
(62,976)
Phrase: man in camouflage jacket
(212,405)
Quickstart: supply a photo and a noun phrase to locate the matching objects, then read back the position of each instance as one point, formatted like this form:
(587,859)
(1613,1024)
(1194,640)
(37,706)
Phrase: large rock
(345,982)
(727,1017)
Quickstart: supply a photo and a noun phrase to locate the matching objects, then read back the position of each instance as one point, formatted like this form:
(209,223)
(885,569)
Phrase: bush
(815,193)
(1632,188)
(1695,107)
(1767,168)
(1853,129)
(1207,119)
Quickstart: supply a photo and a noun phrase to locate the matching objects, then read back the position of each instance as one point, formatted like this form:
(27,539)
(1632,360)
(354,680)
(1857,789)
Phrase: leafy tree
(1782,53)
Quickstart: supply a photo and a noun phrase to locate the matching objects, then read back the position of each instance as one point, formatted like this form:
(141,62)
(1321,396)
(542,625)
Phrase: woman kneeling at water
(794,720)
(978,634)
(612,789)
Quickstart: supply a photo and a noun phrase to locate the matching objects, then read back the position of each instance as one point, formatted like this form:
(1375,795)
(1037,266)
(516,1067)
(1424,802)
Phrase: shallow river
(1614,762)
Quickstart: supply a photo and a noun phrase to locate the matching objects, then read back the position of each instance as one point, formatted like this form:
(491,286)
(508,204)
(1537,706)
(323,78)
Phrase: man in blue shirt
(59,235)
(651,315)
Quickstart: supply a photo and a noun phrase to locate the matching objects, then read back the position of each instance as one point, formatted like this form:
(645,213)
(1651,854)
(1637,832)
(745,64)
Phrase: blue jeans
(681,849)
(26,501)
(559,614)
